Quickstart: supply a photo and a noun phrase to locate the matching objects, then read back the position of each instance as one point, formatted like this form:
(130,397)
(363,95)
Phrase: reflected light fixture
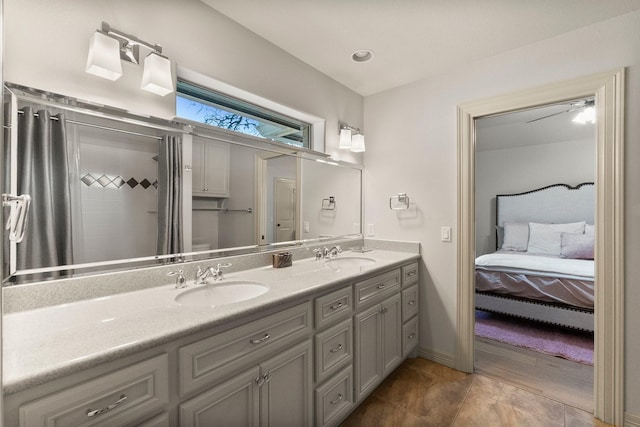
(345,138)
(351,138)
(108,47)
(357,143)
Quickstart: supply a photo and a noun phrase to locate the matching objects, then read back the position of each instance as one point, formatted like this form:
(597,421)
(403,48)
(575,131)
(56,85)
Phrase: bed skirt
(556,314)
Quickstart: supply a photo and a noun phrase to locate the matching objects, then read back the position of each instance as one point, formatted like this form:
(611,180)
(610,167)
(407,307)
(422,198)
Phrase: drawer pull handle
(384,310)
(336,306)
(412,302)
(411,273)
(260,340)
(337,349)
(335,402)
(267,376)
(94,412)
(381,286)
(412,336)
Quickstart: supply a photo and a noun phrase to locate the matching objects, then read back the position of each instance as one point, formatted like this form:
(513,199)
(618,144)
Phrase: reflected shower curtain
(170,196)
(43,172)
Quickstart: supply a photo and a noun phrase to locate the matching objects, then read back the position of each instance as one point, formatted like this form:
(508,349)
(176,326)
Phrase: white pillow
(545,239)
(516,236)
(589,229)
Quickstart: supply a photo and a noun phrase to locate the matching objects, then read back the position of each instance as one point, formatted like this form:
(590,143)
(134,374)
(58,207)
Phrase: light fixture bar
(106,28)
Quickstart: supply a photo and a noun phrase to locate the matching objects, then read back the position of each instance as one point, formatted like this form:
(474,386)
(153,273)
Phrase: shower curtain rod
(75,122)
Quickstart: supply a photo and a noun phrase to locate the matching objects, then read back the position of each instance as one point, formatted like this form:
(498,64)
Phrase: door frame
(608,89)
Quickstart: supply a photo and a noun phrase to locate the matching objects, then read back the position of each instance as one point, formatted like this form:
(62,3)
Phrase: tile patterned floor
(424,393)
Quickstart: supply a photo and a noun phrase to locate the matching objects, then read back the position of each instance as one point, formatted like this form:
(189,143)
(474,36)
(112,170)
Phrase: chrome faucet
(327,253)
(181,282)
(333,252)
(215,272)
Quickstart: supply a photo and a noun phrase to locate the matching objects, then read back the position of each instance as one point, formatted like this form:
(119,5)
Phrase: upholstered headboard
(554,204)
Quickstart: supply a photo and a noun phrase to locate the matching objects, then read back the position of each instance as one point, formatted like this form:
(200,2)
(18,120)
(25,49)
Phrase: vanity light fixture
(351,138)
(109,46)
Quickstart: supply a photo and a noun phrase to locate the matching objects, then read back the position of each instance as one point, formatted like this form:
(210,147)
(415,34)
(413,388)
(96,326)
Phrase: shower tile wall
(118,221)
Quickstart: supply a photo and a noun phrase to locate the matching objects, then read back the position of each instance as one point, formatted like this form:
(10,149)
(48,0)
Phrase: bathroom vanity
(306,351)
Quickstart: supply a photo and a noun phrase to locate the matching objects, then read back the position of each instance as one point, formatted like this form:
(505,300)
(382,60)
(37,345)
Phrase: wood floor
(553,377)
(423,393)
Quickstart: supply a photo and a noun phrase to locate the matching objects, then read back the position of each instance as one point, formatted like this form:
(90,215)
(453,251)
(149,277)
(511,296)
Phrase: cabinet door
(216,176)
(210,172)
(286,395)
(391,333)
(232,403)
(368,364)
(198,167)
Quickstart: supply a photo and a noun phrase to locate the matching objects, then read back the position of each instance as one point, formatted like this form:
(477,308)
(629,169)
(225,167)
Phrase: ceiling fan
(584,106)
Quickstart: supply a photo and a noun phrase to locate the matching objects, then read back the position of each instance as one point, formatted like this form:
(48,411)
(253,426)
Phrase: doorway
(284,209)
(607,90)
(536,165)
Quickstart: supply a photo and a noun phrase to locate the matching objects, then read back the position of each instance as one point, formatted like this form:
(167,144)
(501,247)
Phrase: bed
(543,267)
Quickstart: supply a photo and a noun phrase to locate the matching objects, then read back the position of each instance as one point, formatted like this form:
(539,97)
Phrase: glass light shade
(588,115)
(104,57)
(156,77)
(345,139)
(357,143)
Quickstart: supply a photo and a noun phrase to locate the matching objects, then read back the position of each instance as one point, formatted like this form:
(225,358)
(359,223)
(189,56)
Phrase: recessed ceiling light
(362,55)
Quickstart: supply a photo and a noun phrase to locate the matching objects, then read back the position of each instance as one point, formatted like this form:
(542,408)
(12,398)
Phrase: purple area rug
(536,336)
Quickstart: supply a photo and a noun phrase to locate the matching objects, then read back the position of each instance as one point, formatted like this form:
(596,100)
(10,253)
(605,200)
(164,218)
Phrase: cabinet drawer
(409,274)
(335,398)
(119,398)
(211,359)
(333,307)
(375,288)
(409,302)
(409,336)
(333,349)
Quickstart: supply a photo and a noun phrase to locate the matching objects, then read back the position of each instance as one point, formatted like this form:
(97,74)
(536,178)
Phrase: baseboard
(631,420)
(435,356)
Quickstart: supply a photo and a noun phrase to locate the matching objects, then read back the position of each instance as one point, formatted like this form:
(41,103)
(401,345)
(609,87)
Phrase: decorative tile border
(117,181)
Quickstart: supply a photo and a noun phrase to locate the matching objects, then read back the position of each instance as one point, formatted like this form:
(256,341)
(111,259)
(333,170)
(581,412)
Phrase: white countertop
(48,343)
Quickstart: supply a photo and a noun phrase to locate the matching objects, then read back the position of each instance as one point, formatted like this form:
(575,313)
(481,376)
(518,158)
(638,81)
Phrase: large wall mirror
(112,192)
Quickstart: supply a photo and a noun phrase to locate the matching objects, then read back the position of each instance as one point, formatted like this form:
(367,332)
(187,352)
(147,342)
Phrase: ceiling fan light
(588,115)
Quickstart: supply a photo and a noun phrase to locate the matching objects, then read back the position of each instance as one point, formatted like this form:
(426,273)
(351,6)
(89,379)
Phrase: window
(205,106)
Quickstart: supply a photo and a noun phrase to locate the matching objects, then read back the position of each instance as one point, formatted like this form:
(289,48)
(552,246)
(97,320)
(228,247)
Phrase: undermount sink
(222,293)
(349,261)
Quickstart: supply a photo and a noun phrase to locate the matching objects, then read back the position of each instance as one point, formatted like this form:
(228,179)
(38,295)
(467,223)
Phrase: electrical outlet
(305,226)
(356,227)
(445,234)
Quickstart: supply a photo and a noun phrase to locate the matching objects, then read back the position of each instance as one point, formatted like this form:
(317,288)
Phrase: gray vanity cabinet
(378,344)
(277,392)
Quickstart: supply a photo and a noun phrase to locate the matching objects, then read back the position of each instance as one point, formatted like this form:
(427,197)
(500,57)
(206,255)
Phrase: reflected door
(285,209)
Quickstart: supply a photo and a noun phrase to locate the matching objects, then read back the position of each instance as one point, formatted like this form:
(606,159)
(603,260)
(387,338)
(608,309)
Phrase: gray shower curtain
(170,196)
(43,173)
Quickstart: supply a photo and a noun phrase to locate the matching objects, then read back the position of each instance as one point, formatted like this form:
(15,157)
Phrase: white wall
(122,222)
(47,41)
(411,147)
(515,170)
